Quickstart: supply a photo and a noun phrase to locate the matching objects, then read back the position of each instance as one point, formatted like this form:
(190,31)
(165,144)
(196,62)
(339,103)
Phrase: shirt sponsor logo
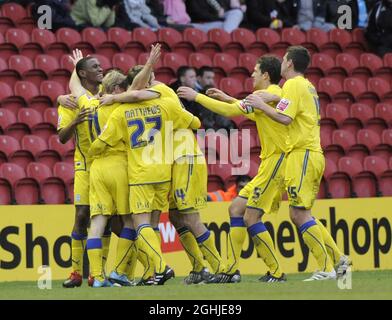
(283,104)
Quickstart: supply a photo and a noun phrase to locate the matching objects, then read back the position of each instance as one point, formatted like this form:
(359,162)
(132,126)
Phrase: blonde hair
(112,79)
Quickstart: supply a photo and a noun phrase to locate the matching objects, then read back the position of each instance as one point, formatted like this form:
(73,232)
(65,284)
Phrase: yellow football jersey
(301,103)
(84,131)
(184,141)
(99,120)
(145,127)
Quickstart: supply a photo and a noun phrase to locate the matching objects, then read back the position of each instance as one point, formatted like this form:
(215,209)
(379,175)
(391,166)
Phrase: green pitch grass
(365,285)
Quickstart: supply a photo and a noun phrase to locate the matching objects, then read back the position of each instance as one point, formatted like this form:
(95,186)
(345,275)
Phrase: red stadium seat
(51,116)
(169,37)
(221,170)
(340,36)
(43,37)
(316,37)
(387,137)
(368,138)
(224,62)
(38,171)
(350,166)
(362,112)
(12,172)
(329,86)
(33,144)
(219,36)
(322,62)
(20,64)
(119,36)
(267,36)
(241,40)
(7,118)
(6,196)
(17,130)
(384,111)
(27,191)
(144,36)
(345,64)
(69,37)
(51,90)
(64,171)
(26,90)
(46,64)
(195,36)
(198,60)
(53,191)
(330,168)
(174,61)
(343,138)
(30,117)
(375,165)
(247,61)
(62,149)
(293,36)
(93,36)
(368,63)
(8,145)
(379,86)
(13,11)
(337,112)
(123,61)
(143,57)
(354,86)
(231,86)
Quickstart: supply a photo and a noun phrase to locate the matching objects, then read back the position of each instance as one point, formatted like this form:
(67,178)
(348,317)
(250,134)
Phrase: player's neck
(263,86)
(292,74)
(93,88)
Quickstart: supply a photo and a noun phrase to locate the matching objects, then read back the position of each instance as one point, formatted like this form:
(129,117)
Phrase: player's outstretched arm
(222,108)
(220,95)
(257,102)
(97,148)
(75,86)
(141,80)
(67,101)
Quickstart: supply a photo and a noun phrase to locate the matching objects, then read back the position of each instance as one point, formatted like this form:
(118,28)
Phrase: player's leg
(264,245)
(126,251)
(189,243)
(79,231)
(155,217)
(78,245)
(238,232)
(205,239)
(302,186)
(94,250)
(264,198)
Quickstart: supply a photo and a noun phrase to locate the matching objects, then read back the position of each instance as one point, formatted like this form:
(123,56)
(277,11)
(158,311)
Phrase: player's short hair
(271,65)
(112,79)
(133,72)
(300,57)
(82,64)
(200,72)
(243,178)
(182,70)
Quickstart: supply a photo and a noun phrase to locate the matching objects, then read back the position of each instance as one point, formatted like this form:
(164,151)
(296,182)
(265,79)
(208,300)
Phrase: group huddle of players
(136,156)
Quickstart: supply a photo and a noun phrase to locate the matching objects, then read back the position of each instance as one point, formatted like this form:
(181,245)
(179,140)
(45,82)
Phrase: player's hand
(106,99)
(68,101)
(155,54)
(77,55)
(268,97)
(221,13)
(83,115)
(217,94)
(255,101)
(187,93)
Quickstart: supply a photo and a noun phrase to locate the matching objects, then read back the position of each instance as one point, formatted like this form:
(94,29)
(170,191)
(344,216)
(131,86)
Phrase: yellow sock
(330,244)
(192,249)
(158,235)
(132,262)
(236,240)
(78,245)
(94,251)
(105,250)
(124,246)
(207,246)
(145,260)
(313,238)
(265,248)
(150,244)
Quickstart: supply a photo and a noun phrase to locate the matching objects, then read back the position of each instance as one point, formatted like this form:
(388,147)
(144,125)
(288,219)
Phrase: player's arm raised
(75,86)
(257,102)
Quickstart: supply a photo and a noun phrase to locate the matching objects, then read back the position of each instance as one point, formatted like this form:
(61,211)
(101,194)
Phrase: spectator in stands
(209,119)
(359,9)
(231,193)
(304,14)
(140,14)
(379,30)
(210,14)
(175,11)
(61,13)
(95,13)
(263,14)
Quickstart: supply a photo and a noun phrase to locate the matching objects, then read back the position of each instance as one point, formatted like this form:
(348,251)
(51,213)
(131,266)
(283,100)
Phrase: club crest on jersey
(245,108)
(283,104)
